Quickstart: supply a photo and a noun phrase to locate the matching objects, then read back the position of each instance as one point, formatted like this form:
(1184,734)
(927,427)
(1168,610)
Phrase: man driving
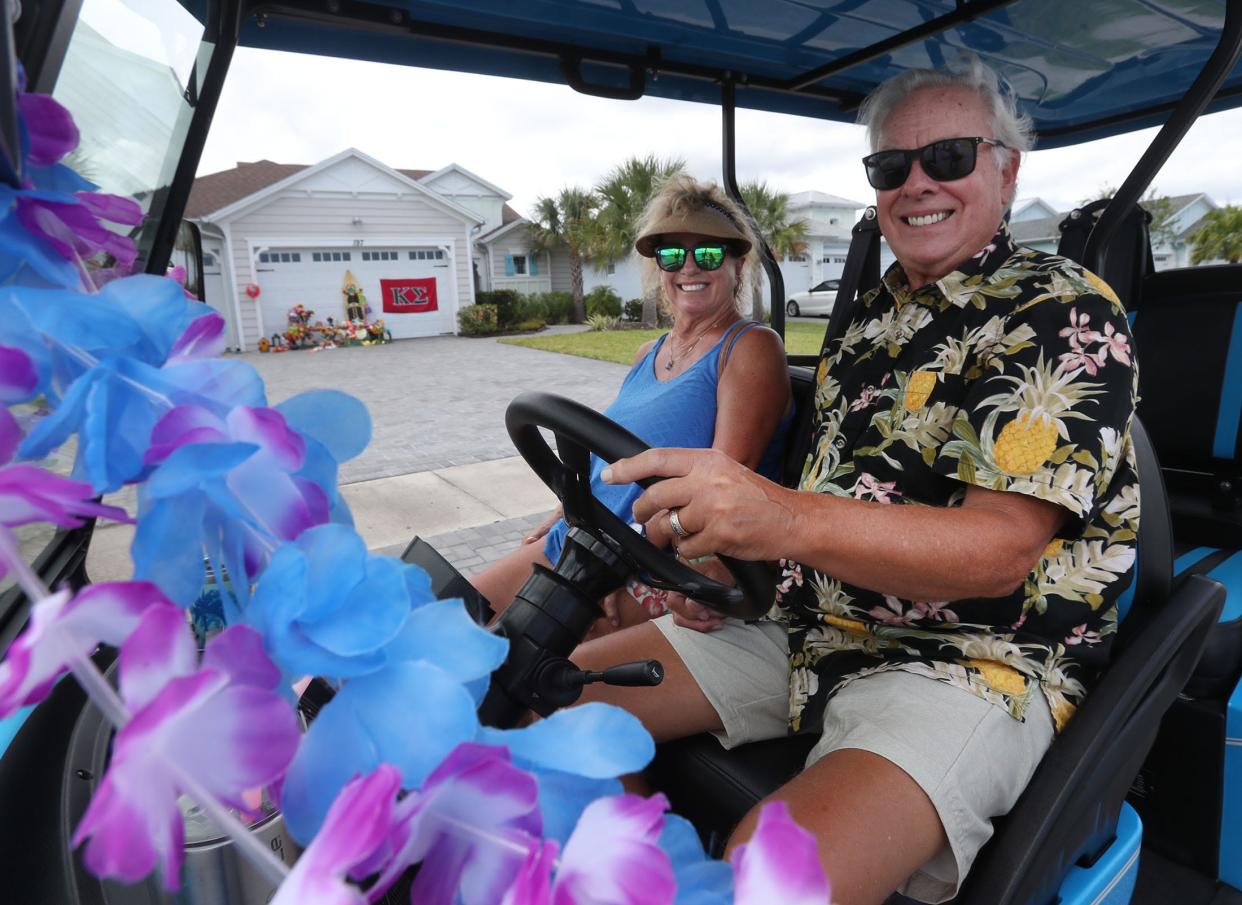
(950,561)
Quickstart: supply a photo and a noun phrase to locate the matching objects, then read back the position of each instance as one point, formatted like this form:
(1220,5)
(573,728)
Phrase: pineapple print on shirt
(1013,373)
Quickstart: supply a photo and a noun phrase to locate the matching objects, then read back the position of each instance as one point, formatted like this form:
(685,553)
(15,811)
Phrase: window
(427,254)
(519,264)
(612,268)
(209,260)
(799,259)
(380,256)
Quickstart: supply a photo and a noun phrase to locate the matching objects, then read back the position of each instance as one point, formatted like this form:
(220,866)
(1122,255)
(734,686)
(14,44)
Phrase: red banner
(409,296)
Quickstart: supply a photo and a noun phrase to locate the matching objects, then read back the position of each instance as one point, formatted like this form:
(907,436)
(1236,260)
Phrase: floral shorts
(653,600)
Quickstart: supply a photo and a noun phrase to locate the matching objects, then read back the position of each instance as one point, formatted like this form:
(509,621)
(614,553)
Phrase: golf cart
(1140,799)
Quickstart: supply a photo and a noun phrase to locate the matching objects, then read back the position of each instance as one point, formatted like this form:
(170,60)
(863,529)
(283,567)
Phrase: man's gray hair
(1015,130)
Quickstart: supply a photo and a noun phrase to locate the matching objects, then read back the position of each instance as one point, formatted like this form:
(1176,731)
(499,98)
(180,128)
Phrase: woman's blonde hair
(681,194)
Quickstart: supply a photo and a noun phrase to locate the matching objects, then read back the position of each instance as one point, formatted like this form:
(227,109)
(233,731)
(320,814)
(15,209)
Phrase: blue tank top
(678,412)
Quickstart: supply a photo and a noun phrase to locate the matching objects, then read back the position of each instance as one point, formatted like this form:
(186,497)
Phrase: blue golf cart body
(1140,799)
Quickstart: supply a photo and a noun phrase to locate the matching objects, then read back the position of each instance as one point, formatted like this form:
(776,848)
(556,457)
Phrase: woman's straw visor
(705,221)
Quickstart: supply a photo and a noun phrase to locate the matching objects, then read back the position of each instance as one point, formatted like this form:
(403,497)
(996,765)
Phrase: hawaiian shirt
(1013,373)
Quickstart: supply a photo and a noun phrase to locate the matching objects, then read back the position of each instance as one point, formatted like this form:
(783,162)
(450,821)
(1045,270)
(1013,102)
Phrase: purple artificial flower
(10,435)
(49,127)
(30,494)
(18,382)
(573,774)
(780,863)
(533,884)
(470,826)
(614,856)
(18,378)
(73,224)
(63,627)
(357,824)
(57,207)
(224,725)
(203,338)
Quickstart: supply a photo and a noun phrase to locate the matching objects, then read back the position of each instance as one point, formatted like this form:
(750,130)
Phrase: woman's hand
(542,531)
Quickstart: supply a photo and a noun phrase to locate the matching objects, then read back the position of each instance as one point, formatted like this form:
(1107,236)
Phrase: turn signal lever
(558,683)
(548,618)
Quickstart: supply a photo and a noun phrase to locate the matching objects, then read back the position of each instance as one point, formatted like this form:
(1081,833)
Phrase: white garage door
(314,277)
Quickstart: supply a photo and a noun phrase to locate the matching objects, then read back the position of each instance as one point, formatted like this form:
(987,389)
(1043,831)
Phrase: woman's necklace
(672,359)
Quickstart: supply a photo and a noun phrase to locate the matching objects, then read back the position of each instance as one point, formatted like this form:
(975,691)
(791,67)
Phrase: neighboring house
(829,221)
(293,231)
(1035,224)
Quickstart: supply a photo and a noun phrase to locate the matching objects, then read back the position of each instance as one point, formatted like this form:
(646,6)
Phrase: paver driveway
(435,402)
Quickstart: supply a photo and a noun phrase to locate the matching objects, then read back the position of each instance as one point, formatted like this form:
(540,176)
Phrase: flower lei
(396,770)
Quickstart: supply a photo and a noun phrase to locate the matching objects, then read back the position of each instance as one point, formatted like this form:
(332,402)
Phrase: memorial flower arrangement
(396,769)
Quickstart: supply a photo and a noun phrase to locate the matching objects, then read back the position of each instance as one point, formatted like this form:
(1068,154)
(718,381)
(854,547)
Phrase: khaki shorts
(971,758)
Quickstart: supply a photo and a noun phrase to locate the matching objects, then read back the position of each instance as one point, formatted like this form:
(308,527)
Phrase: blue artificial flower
(230,484)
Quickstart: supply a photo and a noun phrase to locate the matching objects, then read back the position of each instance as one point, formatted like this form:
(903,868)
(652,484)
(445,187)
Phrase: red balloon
(252,290)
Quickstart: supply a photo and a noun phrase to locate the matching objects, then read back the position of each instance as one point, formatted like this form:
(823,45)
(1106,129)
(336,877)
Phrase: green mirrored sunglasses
(709,256)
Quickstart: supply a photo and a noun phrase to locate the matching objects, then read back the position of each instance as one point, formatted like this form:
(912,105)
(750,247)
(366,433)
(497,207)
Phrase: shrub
(507,302)
(552,307)
(477,320)
(603,321)
(603,300)
(633,310)
(530,326)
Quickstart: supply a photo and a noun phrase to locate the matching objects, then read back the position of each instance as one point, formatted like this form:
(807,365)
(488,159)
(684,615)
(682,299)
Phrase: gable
(1032,209)
(456,183)
(352,175)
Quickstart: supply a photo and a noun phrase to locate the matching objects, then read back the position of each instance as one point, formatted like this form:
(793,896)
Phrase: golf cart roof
(1081,70)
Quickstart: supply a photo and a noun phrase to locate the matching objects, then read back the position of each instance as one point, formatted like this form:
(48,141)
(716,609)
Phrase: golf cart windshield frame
(43,33)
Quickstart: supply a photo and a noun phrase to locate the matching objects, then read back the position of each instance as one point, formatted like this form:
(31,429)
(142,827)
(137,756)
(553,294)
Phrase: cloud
(532,138)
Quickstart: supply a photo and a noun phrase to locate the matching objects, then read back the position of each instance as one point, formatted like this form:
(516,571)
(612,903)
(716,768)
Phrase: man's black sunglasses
(944,161)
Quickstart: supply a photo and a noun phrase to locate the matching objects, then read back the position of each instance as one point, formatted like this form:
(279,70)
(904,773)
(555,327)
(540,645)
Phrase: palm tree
(769,211)
(624,193)
(1219,236)
(568,219)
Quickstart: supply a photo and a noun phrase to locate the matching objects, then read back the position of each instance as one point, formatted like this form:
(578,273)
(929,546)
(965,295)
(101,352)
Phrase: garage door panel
(314,278)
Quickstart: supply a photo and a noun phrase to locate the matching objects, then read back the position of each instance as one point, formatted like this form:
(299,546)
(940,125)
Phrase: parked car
(818,300)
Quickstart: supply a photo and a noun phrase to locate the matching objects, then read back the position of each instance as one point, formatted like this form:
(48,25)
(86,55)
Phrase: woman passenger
(715,380)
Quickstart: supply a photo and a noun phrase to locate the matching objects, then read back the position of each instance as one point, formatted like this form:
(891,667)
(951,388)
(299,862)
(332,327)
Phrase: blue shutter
(509,268)
(534,265)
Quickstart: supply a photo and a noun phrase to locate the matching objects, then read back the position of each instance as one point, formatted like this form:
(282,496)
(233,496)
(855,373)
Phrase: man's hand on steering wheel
(721,506)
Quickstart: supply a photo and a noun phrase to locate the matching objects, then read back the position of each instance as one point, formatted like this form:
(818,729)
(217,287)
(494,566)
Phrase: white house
(276,235)
(1035,223)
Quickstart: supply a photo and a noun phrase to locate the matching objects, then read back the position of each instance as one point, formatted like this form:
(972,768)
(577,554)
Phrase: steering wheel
(581,431)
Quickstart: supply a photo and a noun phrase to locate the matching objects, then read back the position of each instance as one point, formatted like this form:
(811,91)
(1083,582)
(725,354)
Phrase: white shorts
(971,758)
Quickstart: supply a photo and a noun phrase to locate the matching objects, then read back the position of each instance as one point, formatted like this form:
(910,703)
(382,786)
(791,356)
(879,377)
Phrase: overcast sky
(531,138)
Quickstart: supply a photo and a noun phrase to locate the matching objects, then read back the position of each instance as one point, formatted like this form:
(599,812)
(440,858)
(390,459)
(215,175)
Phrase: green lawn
(620,345)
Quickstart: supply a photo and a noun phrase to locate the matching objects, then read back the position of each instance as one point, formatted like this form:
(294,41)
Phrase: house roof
(1036,228)
(499,231)
(1039,228)
(217,191)
(802,199)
